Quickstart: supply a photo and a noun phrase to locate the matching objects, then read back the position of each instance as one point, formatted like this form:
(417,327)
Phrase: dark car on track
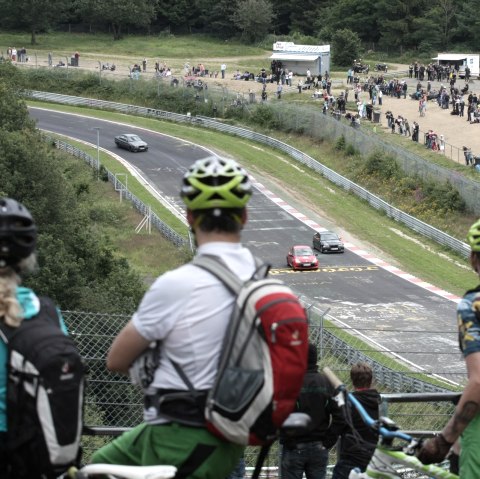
(328,242)
(302,257)
(131,142)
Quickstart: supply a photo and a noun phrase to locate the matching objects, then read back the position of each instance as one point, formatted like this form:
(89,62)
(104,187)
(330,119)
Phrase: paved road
(399,315)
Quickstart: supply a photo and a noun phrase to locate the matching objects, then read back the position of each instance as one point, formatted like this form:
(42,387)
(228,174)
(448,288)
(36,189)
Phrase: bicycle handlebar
(342,394)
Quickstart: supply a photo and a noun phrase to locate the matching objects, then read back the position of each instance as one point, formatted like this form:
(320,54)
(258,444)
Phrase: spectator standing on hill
(309,453)
(223,69)
(465,422)
(144,65)
(350,76)
(407,128)
(279,91)
(416,131)
(357,445)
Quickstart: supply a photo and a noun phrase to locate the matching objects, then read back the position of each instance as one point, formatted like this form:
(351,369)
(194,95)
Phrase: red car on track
(302,257)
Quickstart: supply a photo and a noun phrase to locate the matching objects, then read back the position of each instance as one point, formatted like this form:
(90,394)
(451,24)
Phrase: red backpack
(263,358)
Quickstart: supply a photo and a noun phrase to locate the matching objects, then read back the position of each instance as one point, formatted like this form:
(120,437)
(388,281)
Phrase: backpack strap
(47,306)
(5,332)
(216,266)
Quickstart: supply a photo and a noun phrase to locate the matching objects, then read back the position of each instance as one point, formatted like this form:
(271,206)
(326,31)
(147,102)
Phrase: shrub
(382,165)
(265,117)
(340,143)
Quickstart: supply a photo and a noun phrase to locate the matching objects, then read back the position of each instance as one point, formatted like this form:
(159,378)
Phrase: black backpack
(45,393)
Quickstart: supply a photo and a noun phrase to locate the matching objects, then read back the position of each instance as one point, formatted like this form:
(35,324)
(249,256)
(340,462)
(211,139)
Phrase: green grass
(149,254)
(134,186)
(435,264)
(161,46)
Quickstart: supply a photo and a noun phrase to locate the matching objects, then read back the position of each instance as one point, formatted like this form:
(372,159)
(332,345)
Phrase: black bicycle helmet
(18,233)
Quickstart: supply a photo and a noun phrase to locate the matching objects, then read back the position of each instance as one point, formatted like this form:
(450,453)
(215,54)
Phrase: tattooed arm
(469,404)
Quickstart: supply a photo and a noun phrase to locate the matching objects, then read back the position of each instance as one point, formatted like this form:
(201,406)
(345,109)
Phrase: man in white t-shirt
(187,310)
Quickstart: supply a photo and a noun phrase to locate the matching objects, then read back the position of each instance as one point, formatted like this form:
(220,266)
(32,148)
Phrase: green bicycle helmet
(473,237)
(18,233)
(214,182)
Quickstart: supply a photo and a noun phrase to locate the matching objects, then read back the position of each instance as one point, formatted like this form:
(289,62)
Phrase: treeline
(391,26)
(77,267)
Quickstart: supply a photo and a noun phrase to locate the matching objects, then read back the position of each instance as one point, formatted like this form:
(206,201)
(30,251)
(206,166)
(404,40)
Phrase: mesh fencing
(113,403)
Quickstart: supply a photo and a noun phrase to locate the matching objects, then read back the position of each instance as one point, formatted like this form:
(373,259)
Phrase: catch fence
(114,405)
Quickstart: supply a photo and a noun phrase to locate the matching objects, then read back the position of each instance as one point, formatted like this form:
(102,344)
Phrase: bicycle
(387,460)
(115,471)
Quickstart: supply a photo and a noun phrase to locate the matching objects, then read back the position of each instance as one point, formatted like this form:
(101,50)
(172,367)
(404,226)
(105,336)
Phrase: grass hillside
(418,256)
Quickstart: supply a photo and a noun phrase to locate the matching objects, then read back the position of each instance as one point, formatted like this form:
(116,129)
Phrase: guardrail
(326,340)
(141,207)
(392,212)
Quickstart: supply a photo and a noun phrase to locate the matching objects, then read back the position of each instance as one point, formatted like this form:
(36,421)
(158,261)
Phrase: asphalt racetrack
(397,314)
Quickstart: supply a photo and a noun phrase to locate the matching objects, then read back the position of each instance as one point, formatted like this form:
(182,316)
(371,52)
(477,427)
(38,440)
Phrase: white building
(300,58)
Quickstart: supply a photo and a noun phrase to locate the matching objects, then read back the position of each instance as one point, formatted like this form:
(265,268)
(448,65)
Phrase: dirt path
(457,131)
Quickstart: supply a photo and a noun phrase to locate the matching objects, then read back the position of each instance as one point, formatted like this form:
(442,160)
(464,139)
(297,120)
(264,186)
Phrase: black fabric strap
(196,458)
(260,460)
(182,374)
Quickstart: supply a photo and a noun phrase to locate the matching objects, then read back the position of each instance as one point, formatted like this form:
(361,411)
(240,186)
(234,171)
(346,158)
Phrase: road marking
(355,249)
(326,269)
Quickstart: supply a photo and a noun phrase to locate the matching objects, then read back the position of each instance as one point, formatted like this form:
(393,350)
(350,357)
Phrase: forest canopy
(393,26)
(77,266)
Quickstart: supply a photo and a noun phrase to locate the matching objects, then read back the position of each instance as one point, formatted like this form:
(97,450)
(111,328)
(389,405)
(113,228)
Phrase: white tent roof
(451,56)
(293,56)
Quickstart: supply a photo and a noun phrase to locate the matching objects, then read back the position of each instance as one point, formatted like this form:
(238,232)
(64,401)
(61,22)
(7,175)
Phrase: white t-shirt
(188,310)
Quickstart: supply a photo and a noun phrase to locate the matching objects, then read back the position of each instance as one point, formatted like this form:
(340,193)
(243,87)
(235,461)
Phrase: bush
(340,143)
(379,164)
(265,117)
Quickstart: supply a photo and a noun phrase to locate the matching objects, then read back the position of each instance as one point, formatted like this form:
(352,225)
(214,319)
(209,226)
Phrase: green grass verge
(417,255)
(136,187)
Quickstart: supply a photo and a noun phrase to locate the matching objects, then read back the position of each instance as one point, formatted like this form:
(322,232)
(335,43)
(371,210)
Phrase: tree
(253,18)
(346,46)
(282,10)
(78,268)
(119,13)
(216,17)
(399,25)
(178,15)
(355,15)
(303,20)
(447,9)
(467,28)
(34,16)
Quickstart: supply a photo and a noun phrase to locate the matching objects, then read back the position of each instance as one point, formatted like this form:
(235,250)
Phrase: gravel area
(457,131)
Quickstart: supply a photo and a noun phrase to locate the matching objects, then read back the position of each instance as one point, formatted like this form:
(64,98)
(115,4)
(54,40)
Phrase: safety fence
(169,233)
(113,405)
(314,122)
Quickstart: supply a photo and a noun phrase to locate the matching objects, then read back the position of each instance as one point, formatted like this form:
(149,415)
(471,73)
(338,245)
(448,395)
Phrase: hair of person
(10,309)
(361,375)
(224,220)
